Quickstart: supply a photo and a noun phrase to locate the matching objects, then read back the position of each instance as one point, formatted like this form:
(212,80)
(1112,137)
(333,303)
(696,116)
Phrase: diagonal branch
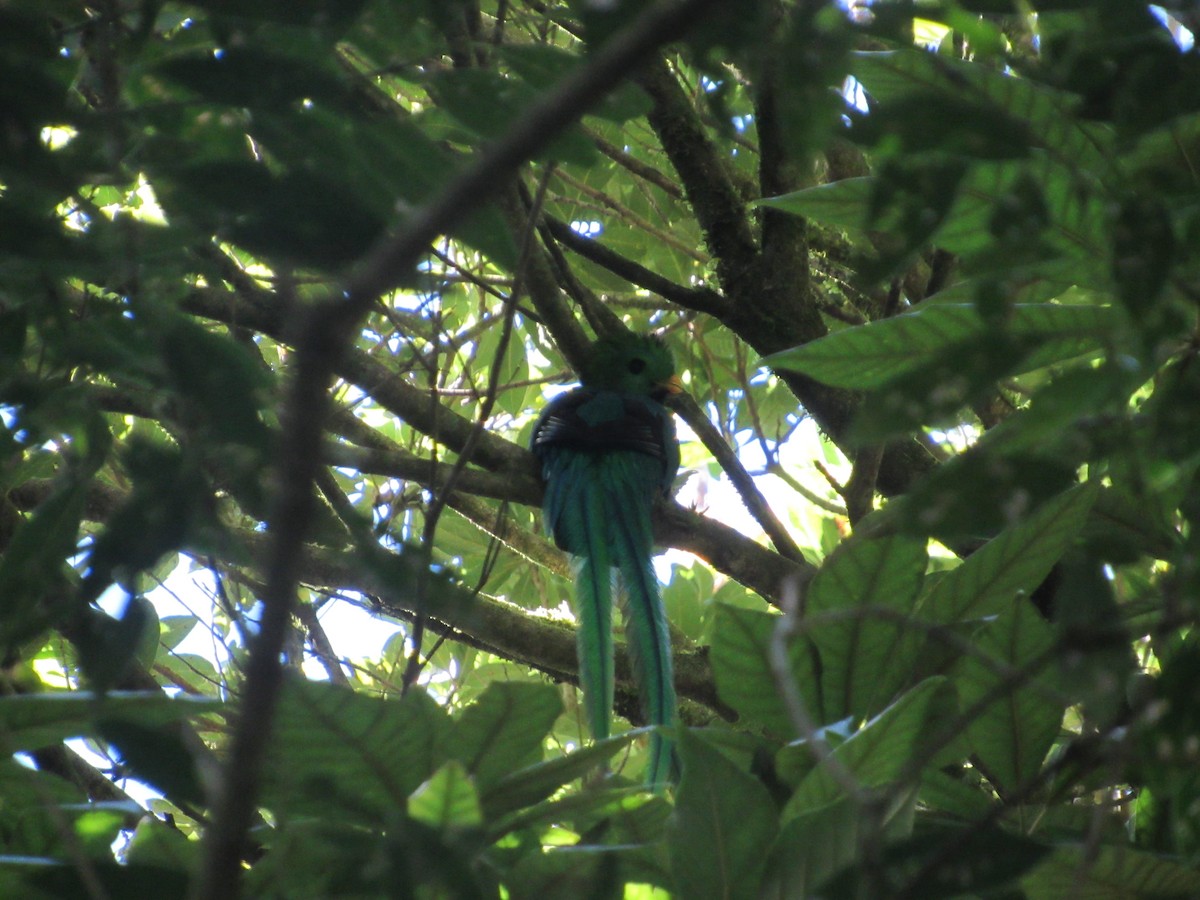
(701,299)
(751,496)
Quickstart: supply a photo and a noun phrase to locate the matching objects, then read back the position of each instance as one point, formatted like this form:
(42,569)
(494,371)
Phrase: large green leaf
(811,847)
(255,77)
(1019,713)
(940,862)
(882,750)
(867,657)
(870,356)
(724,821)
(448,800)
(892,75)
(504,729)
(337,753)
(535,783)
(1011,564)
(979,493)
(29,721)
(741,660)
(158,756)
(1110,873)
(1075,225)
(47,879)
(488,103)
(34,561)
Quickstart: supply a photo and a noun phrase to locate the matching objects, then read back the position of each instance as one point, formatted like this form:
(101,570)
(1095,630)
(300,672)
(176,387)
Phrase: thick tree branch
(711,191)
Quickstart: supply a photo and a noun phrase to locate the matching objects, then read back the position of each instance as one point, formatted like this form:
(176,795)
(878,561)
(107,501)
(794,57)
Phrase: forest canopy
(284,285)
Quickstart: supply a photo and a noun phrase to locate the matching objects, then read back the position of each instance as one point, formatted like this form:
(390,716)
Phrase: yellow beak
(672,385)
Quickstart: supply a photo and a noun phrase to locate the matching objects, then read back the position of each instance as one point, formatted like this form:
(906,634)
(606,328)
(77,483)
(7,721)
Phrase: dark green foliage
(961,237)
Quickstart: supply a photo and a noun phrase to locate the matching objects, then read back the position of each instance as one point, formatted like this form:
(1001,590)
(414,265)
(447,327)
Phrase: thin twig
(702,299)
(631,217)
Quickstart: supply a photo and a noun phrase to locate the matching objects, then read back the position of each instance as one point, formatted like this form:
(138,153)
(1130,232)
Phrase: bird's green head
(631,364)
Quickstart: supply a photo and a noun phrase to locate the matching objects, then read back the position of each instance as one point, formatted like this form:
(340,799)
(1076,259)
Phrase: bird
(608,452)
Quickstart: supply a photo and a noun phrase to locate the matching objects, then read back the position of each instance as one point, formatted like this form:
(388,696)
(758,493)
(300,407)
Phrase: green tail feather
(646,634)
(578,505)
(594,644)
(599,509)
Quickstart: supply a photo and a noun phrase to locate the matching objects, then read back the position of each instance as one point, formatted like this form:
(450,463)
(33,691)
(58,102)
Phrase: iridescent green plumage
(608,450)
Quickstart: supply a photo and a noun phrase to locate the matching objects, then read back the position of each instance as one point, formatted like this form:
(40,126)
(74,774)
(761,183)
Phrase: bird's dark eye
(636,365)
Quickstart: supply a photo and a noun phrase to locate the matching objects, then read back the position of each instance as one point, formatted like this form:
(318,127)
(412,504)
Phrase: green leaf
(489,103)
(724,820)
(978,493)
(535,783)
(23,876)
(842,203)
(303,218)
(543,66)
(1014,731)
(943,122)
(811,847)
(168,500)
(107,646)
(174,630)
(741,666)
(1075,225)
(882,750)
(870,356)
(29,721)
(1064,413)
(226,383)
(35,558)
(1011,564)
(338,753)
(254,77)
(897,75)
(320,14)
(865,659)
(1110,873)
(504,729)
(944,861)
(622,816)
(34,808)
(573,871)
(447,800)
(155,843)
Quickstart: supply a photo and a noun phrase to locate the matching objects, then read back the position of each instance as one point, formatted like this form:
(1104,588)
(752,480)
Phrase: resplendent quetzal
(608,451)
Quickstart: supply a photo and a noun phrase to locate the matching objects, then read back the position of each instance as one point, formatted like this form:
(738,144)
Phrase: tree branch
(711,191)
(751,496)
(700,299)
